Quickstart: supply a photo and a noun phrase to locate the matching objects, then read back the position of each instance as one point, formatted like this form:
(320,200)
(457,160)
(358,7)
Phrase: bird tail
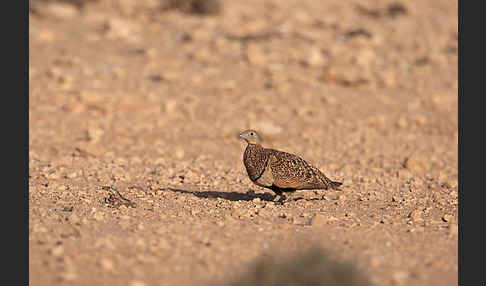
(335,185)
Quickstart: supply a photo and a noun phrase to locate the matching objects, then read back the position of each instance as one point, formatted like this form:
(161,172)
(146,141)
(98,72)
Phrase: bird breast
(255,161)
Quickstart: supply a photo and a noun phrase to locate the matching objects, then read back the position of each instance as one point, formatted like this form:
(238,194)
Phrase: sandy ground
(128,95)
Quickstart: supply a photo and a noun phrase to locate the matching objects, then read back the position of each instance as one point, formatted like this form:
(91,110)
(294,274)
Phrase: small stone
(179,153)
(400,276)
(405,174)
(57,250)
(94,134)
(269,128)
(170,106)
(45,36)
(256,200)
(415,215)
(331,100)
(315,58)
(453,229)
(299,220)
(137,283)
(402,123)
(121,29)
(107,264)
(255,55)
(61,10)
(421,120)
(319,220)
(375,261)
(74,219)
(99,216)
(417,164)
(447,218)
(341,197)
(68,276)
(388,79)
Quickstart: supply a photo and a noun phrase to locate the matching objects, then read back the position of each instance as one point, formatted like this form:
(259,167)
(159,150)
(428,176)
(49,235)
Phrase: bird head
(250,136)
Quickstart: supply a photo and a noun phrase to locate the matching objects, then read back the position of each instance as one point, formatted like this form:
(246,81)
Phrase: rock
(61,11)
(107,264)
(342,197)
(121,29)
(45,36)
(269,128)
(405,174)
(416,215)
(400,276)
(137,283)
(315,58)
(420,120)
(170,106)
(68,275)
(453,229)
(99,216)
(366,57)
(255,55)
(388,78)
(375,261)
(74,219)
(402,123)
(447,218)
(318,220)
(417,164)
(179,154)
(57,250)
(94,134)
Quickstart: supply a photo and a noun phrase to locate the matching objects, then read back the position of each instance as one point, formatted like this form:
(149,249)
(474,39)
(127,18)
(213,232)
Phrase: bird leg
(279,194)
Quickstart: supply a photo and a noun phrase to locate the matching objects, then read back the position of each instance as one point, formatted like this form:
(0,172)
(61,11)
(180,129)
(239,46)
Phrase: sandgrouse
(280,171)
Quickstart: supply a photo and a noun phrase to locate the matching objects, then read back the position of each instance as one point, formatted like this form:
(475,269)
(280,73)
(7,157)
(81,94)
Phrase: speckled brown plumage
(280,171)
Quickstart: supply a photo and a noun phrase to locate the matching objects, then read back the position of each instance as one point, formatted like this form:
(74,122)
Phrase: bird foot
(279,199)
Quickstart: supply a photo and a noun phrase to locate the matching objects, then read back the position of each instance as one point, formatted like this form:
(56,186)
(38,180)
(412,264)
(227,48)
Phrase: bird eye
(251,133)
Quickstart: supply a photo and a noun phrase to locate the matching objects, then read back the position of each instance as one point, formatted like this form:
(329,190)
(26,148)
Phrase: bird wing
(289,170)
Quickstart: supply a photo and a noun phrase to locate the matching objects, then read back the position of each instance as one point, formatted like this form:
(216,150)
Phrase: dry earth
(129,95)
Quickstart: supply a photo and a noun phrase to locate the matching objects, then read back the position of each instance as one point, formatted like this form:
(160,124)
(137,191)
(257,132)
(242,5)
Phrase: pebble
(269,128)
(170,106)
(315,58)
(420,120)
(402,123)
(74,219)
(453,229)
(99,216)
(342,198)
(417,164)
(137,283)
(121,29)
(179,154)
(255,55)
(45,36)
(447,218)
(57,250)
(318,220)
(416,215)
(61,11)
(107,264)
(94,134)
(68,275)
(400,276)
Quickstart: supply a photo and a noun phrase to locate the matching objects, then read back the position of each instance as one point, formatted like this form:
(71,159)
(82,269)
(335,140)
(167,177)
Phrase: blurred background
(149,94)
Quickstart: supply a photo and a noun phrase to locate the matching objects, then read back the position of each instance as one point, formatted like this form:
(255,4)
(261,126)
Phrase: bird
(280,171)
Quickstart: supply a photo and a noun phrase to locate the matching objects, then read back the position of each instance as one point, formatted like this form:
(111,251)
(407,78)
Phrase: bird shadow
(231,196)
